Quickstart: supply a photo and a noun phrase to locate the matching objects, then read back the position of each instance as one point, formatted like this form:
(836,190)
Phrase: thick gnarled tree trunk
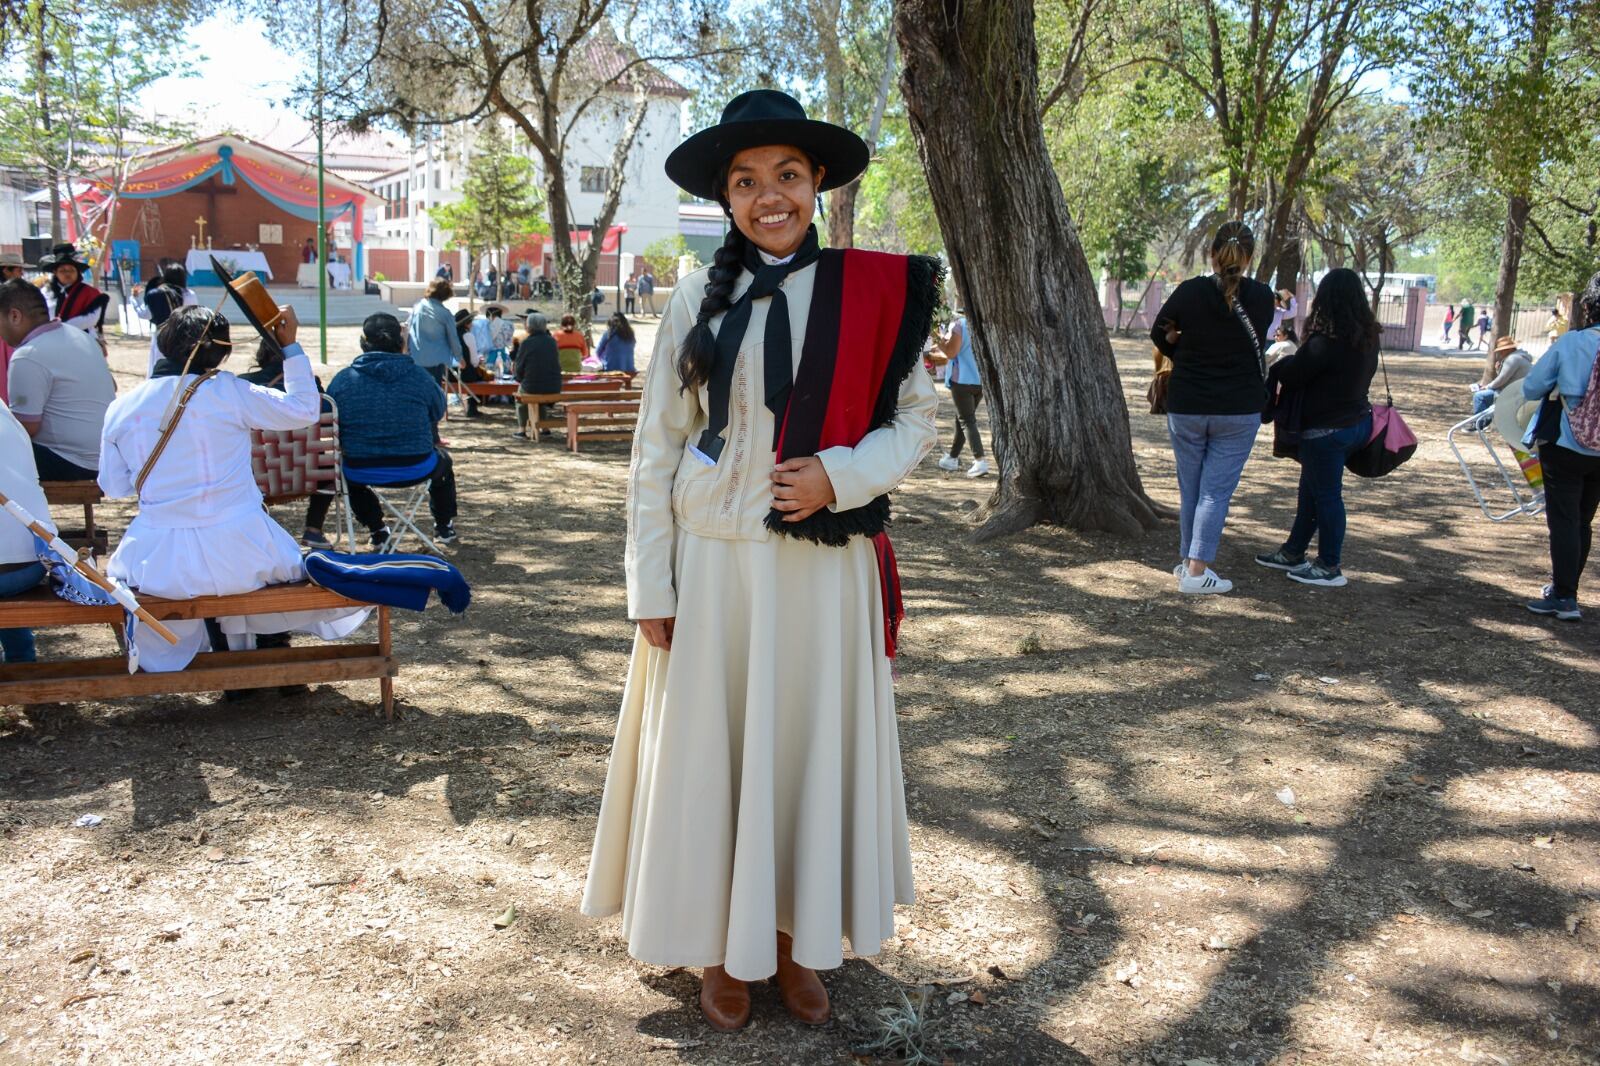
(970,81)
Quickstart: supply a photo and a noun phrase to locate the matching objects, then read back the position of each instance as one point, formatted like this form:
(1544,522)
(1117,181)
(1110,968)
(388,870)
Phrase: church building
(253,207)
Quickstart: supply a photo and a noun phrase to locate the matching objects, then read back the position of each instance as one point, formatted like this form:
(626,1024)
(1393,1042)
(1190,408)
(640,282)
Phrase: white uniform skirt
(239,555)
(755,780)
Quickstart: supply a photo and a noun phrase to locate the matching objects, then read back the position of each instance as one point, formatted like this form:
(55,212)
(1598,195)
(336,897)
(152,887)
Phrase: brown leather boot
(724,1000)
(801,989)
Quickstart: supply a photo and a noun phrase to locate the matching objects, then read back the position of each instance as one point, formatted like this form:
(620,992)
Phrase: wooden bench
(68,680)
(567,398)
(600,416)
(79,493)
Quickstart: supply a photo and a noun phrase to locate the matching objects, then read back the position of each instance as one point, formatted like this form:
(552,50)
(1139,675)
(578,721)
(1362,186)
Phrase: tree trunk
(1505,288)
(970,82)
(842,201)
(1289,266)
(842,216)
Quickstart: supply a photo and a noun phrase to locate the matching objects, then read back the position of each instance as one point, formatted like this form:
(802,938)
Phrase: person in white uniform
(201,529)
(754,811)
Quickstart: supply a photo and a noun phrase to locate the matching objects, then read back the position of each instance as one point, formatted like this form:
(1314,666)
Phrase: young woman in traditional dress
(181,443)
(754,811)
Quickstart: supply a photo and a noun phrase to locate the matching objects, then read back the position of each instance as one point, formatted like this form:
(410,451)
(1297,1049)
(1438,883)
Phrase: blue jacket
(615,353)
(434,340)
(1565,368)
(963,369)
(387,407)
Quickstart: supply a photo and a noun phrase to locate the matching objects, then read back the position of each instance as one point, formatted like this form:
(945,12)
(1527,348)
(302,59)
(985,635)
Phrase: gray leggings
(966,399)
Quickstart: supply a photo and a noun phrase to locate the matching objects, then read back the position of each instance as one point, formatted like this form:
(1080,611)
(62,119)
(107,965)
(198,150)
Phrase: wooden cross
(201,222)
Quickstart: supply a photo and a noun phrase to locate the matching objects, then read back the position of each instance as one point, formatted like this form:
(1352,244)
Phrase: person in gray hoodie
(388,407)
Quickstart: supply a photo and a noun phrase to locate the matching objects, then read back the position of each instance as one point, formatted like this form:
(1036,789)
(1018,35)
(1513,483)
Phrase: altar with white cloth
(237,260)
(338,275)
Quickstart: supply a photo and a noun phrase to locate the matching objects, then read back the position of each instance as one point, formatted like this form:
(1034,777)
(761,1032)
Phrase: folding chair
(402,516)
(294,464)
(1526,487)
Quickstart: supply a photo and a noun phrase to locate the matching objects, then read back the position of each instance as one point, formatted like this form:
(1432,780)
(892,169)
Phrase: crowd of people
(753,816)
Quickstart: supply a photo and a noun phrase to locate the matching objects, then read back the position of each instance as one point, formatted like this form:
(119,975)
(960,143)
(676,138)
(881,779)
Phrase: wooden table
(79,493)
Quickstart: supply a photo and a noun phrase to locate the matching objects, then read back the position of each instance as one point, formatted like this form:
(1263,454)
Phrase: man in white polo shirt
(19,566)
(60,385)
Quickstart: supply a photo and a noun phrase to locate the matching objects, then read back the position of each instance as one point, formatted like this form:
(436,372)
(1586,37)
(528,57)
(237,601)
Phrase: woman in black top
(1328,377)
(538,371)
(1213,328)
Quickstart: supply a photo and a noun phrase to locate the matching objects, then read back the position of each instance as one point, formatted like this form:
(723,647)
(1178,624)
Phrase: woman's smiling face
(772,191)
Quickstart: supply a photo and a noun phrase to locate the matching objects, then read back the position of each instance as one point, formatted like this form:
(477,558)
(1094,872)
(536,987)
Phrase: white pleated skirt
(755,780)
(240,554)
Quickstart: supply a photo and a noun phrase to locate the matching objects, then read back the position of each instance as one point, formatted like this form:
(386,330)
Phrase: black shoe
(1315,573)
(380,537)
(1281,560)
(445,532)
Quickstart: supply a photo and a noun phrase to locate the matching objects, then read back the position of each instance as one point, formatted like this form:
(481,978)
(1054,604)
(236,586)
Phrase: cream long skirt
(755,779)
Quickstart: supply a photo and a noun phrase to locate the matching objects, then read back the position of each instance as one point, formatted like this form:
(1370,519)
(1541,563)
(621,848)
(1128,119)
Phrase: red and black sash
(81,299)
(869,319)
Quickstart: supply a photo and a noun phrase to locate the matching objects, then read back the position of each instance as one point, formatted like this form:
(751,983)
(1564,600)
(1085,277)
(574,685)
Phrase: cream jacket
(671,489)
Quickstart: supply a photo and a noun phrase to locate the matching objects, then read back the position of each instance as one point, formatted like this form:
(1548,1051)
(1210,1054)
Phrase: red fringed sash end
(894,608)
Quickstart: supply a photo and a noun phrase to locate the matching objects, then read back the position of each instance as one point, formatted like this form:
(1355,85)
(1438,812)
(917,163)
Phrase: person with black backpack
(1567,377)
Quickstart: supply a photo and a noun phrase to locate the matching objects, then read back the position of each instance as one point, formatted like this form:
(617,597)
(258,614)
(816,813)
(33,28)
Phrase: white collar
(773,261)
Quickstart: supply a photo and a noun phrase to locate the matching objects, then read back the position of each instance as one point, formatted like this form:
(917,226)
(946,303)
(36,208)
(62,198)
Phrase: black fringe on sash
(924,281)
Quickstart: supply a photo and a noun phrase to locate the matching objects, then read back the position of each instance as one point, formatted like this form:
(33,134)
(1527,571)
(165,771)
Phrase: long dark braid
(699,349)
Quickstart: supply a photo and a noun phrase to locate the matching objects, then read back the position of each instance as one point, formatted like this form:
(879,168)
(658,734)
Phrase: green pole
(322,223)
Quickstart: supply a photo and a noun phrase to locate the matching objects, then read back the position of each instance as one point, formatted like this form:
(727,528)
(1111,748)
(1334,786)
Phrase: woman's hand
(657,632)
(801,488)
(287,328)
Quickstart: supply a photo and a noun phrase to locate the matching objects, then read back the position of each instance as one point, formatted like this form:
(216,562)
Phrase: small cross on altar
(201,222)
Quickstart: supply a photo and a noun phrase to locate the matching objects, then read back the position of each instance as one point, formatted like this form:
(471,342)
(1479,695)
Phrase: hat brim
(244,308)
(693,165)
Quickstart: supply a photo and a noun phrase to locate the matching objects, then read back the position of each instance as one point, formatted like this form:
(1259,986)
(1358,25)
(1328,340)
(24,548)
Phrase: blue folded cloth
(391,580)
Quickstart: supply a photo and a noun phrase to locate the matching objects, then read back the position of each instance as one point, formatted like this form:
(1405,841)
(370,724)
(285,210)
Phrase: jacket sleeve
(886,455)
(1541,380)
(1167,314)
(433,395)
(115,475)
(1313,359)
(666,414)
(297,405)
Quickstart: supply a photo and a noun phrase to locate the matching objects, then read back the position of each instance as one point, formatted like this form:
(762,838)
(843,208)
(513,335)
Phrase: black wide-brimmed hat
(253,300)
(757,118)
(61,255)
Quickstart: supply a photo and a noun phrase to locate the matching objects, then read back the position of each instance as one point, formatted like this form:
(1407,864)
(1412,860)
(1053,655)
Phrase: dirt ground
(1287,825)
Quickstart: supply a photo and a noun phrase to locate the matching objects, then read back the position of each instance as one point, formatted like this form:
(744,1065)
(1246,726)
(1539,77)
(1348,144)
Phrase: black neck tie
(778,364)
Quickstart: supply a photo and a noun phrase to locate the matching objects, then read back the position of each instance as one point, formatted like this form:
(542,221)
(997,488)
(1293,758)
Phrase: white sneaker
(949,462)
(978,469)
(1177,571)
(1207,584)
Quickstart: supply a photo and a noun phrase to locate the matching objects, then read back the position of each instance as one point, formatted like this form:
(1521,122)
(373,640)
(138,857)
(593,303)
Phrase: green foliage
(499,200)
(70,103)
(663,256)
(895,209)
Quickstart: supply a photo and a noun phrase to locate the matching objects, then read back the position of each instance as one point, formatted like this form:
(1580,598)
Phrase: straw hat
(1505,344)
